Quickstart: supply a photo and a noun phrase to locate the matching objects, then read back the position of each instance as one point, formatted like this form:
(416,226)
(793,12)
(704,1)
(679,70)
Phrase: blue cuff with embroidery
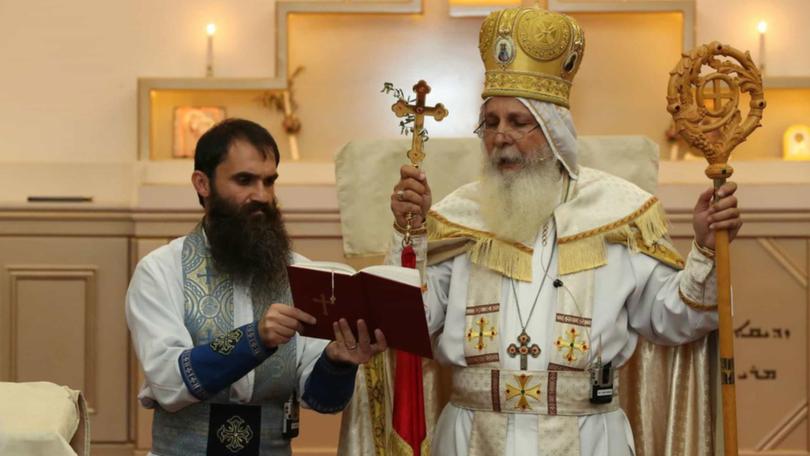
(208,369)
(330,386)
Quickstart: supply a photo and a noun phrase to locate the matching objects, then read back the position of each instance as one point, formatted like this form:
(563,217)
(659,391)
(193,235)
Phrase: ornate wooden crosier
(703,97)
(415,114)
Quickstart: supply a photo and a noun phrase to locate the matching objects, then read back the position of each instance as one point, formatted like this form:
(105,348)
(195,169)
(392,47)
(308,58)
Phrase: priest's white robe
(154,311)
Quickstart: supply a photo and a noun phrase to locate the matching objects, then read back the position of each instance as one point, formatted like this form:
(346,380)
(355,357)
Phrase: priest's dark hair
(213,146)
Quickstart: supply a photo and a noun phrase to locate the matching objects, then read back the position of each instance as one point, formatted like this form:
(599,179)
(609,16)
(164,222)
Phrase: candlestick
(209,60)
(762,27)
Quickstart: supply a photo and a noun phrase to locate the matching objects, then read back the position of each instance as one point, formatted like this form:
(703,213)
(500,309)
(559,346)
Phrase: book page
(408,276)
(329,266)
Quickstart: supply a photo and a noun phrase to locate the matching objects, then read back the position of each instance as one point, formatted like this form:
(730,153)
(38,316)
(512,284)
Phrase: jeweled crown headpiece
(530,53)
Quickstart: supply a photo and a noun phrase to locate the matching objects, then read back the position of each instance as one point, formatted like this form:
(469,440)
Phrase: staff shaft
(726,337)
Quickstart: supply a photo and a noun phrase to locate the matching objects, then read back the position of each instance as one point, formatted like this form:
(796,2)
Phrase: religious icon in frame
(796,143)
(191,122)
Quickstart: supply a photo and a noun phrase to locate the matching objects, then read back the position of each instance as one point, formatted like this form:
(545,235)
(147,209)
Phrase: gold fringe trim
(696,305)
(640,231)
(511,259)
(586,253)
(662,250)
(653,201)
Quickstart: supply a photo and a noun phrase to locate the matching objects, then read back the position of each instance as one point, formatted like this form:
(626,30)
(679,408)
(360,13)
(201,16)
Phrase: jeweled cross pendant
(524,350)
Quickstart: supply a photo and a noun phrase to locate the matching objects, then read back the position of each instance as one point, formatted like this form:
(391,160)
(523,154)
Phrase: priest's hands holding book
(281,322)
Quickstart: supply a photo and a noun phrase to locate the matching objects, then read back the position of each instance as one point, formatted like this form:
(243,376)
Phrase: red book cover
(388,298)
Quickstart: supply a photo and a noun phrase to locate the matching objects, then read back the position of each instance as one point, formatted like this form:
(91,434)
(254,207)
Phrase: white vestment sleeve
(657,309)
(159,335)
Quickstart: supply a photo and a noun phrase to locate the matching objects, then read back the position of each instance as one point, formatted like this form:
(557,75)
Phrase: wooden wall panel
(62,300)
(54,339)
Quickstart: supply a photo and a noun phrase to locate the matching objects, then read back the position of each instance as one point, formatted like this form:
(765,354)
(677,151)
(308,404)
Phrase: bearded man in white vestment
(542,275)
(211,317)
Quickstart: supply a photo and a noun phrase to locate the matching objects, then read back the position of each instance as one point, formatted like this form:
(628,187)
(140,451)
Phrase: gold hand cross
(401,108)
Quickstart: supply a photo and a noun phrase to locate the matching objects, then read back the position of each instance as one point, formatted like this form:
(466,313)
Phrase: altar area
(107,188)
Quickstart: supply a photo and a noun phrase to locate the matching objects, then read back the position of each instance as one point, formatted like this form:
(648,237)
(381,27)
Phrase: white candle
(762,27)
(209,60)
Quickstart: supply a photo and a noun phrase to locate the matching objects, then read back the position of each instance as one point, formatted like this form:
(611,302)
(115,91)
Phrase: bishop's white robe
(634,295)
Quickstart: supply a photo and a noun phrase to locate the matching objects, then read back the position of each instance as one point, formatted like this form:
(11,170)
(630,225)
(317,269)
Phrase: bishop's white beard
(514,204)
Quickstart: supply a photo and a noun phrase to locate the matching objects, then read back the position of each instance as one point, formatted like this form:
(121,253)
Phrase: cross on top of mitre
(402,109)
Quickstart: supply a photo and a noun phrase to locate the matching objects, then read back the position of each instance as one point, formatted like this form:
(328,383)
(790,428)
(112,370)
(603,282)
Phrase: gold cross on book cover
(387,297)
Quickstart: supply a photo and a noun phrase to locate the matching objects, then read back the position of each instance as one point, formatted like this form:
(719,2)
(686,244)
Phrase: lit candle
(762,27)
(209,61)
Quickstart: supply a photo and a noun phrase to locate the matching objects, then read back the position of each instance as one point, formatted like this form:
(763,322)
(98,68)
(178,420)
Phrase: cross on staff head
(716,88)
(402,109)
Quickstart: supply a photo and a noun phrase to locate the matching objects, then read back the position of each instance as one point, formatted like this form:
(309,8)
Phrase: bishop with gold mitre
(542,275)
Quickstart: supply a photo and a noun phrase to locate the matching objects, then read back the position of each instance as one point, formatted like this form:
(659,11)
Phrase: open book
(388,298)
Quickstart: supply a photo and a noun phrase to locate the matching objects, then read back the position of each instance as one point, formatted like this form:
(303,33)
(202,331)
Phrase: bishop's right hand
(411,195)
(280,323)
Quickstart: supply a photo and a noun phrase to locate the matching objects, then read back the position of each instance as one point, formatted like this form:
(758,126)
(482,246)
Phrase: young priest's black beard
(250,244)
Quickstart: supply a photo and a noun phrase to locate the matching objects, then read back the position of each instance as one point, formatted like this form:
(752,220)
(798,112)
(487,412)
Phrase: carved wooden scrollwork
(703,97)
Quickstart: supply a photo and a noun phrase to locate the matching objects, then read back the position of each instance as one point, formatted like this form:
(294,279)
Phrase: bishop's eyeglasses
(487,132)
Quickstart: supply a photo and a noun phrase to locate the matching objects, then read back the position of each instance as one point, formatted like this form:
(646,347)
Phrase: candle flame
(211,29)
(762,26)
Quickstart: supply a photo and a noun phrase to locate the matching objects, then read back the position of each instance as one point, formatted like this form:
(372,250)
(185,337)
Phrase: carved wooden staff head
(703,97)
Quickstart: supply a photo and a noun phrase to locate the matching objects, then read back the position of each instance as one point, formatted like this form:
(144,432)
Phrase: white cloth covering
(634,295)
(154,311)
(41,419)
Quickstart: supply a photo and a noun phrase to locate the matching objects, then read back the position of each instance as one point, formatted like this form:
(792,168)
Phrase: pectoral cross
(524,350)
(322,300)
(401,108)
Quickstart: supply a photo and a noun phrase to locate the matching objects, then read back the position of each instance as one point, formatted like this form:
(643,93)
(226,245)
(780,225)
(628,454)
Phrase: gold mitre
(530,53)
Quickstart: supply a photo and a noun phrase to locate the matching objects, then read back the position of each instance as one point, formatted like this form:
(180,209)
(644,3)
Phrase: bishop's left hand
(709,215)
(346,349)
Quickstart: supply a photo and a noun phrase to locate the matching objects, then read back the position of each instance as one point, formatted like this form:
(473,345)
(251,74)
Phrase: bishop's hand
(348,350)
(723,213)
(411,195)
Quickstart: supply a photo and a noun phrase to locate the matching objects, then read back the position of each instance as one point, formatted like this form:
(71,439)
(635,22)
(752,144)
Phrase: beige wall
(735,21)
(69,69)
(68,85)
